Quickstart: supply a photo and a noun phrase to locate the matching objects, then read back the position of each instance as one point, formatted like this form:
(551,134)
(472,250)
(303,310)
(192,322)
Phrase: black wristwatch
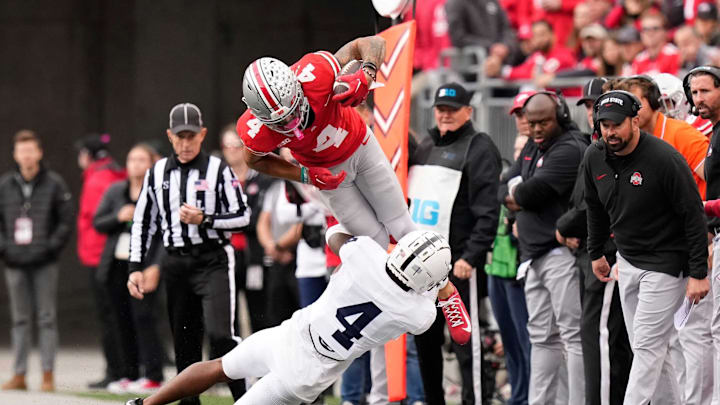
(207,221)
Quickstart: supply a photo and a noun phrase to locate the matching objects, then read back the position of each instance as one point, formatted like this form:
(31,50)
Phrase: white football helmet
(274,95)
(672,96)
(420,260)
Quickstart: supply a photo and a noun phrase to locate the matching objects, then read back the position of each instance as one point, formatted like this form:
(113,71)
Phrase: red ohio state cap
(520,99)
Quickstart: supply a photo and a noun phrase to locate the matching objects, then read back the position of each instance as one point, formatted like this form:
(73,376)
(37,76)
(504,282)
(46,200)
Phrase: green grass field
(206,399)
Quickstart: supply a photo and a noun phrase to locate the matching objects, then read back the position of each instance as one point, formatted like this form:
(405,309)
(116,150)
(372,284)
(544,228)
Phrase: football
(351,67)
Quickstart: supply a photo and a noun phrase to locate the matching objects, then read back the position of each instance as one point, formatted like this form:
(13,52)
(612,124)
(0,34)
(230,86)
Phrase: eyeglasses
(652,29)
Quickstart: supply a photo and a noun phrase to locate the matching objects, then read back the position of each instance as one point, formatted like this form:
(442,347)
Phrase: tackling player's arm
(336,241)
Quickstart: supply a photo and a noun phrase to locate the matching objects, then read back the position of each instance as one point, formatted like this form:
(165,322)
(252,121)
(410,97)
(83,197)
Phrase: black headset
(562,111)
(634,107)
(711,70)
(654,96)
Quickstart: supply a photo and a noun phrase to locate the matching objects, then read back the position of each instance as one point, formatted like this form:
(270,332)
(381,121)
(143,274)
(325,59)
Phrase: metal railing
(491,100)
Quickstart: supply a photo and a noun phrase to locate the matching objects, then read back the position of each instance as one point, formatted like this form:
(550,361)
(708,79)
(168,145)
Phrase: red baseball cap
(520,99)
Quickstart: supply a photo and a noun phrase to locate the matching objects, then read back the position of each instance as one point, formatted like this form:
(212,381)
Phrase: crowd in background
(282,264)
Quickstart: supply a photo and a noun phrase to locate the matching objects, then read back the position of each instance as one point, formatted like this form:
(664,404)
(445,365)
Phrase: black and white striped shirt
(207,183)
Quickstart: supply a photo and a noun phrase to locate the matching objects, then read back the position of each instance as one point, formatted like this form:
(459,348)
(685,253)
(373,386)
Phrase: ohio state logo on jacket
(636,179)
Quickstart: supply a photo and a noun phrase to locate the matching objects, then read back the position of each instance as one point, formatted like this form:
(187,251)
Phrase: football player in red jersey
(296,107)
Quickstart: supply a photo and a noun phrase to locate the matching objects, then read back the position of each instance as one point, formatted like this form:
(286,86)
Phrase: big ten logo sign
(425,212)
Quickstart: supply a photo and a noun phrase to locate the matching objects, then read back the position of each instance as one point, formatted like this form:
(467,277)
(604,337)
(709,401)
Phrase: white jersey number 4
(330,136)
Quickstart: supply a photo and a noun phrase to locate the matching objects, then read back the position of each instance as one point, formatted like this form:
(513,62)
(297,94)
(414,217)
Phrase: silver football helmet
(421,260)
(274,95)
(672,96)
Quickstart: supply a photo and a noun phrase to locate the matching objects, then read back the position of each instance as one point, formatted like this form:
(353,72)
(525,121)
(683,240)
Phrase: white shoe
(119,387)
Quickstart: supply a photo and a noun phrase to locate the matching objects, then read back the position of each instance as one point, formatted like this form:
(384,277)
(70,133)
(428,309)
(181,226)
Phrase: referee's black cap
(185,117)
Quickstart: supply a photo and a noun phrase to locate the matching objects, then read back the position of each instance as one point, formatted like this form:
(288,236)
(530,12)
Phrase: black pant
(134,326)
(429,347)
(256,299)
(619,345)
(282,293)
(199,301)
(103,304)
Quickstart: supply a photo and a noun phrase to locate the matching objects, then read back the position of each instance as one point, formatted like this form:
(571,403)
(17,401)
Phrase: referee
(196,201)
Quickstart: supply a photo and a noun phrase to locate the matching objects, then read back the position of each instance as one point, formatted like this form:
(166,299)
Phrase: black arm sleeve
(483,174)
(105,219)
(63,213)
(512,172)
(533,193)
(687,204)
(598,221)
(573,223)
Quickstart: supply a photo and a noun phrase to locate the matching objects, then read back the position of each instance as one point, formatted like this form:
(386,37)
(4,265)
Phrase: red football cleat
(457,318)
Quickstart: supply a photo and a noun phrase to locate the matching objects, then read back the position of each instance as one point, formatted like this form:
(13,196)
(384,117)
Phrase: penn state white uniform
(362,308)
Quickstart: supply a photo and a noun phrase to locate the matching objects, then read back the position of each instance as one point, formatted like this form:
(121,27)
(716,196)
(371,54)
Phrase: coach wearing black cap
(641,189)
(195,201)
(451,188)
(606,350)
(591,91)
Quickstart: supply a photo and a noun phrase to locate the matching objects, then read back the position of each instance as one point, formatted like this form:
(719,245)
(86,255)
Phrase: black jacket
(49,207)
(105,221)
(548,179)
(650,201)
(474,217)
(712,174)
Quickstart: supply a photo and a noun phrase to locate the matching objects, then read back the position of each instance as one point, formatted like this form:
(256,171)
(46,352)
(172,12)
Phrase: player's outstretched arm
(369,49)
(273,165)
(192,381)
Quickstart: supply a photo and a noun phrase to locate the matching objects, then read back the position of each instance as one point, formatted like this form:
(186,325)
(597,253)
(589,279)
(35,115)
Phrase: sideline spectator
(659,56)
(483,24)
(547,57)
(456,177)
(660,240)
(250,271)
(538,187)
(693,52)
(99,172)
(134,324)
(195,201)
(706,24)
(35,224)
